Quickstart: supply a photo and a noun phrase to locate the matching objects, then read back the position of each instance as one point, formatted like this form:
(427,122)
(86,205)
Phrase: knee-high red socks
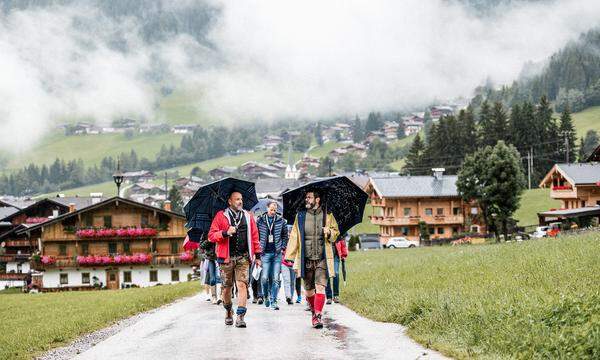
(319,303)
(311,302)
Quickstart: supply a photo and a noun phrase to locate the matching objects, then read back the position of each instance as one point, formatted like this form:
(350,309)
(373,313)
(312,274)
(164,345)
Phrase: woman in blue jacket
(273,237)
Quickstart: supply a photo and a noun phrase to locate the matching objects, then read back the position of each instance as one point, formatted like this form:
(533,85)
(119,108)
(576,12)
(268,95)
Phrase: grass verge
(33,323)
(535,299)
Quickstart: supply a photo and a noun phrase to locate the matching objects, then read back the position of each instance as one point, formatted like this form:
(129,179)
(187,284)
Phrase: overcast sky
(307,59)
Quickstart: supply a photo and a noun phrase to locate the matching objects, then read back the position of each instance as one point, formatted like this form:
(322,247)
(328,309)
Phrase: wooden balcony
(414,220)
(13,277)
(19,243)
(563,193)
(14,257)
(390,220)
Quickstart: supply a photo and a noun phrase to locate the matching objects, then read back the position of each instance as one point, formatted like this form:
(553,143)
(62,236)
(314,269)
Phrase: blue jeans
(271,263)
(212,276)
(289,281)
(336,280)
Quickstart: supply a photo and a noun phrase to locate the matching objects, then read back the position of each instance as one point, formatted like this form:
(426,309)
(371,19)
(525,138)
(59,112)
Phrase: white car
(400,242)
(540,232)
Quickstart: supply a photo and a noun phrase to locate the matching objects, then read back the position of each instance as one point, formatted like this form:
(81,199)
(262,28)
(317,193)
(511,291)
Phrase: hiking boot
(239,322)
(317,323)
(328,302)
(289,301)
(336,299)
(260,301)
(228,316)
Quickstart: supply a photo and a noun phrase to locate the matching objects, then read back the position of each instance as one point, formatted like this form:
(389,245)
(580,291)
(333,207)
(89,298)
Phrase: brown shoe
(228,315)
(239,322)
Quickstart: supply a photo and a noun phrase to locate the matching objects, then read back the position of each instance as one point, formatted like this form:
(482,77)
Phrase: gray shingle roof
(415,186)
(7,210)
(583,173)
(80,202)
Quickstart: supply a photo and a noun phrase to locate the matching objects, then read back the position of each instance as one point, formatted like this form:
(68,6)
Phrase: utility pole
(166,188)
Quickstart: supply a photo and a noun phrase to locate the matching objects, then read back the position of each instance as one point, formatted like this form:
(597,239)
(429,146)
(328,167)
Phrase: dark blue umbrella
(339,195)
(212,197)
(261,206)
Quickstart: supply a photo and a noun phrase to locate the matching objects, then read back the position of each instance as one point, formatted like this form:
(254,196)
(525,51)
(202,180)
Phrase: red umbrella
(189,245)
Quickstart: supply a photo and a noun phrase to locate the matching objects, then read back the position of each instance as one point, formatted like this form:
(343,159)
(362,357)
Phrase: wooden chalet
(401,203)
(17,247)
(115,243)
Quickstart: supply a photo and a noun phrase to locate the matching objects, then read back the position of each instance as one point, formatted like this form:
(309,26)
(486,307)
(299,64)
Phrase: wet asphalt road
(194,329)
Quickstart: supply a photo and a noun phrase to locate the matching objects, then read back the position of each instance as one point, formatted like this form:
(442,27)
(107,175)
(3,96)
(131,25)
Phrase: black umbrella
(212,197)
(339,195)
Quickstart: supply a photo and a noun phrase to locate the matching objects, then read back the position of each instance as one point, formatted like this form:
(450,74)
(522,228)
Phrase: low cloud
(268,59)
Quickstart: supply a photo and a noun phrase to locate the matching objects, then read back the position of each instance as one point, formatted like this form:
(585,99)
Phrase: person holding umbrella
(273,235)
(340,253)
(339,204)
(237,245)
(310,247)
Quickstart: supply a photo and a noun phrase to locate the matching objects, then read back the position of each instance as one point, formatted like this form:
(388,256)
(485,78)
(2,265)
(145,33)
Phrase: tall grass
(33,323)
(536,299)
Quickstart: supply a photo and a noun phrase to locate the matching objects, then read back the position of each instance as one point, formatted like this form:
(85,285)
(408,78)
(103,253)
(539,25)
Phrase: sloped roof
(80,202)
(104,203)
(7,211)
(415,186)
(576,174)
(19,203)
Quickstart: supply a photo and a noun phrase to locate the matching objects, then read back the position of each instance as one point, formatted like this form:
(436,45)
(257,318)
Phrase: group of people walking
(244,252)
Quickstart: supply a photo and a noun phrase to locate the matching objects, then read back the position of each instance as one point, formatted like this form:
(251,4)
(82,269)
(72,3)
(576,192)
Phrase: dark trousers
(298,286)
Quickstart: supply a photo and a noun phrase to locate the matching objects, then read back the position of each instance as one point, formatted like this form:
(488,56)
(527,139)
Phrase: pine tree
(414,158)
(581,153)
(485,125)
(567,130)
(358,133)
(319,134)
(176,200)
(468,131)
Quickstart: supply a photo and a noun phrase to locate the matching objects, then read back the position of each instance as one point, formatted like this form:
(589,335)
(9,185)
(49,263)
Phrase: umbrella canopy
(212,197)
(261,206)
(339,195)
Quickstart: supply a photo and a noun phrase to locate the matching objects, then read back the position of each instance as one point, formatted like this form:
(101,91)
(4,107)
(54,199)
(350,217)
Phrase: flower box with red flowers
(561,187)
(121,232)
(135,259)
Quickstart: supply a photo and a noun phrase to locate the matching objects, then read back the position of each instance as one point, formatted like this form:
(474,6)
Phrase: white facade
(17,267)
(140,276)
(11,283)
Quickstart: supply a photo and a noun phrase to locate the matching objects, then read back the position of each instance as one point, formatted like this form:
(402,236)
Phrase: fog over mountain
(262,60)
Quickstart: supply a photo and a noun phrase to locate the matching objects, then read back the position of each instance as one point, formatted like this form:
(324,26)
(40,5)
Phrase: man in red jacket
(235,233)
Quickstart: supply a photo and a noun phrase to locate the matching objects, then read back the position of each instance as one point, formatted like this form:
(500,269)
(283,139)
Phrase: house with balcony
(401,203)
(116,243)
(577,186)
(17,247)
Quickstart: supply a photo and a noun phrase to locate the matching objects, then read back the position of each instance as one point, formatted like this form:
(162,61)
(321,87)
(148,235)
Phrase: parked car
(369,241)
(400,242)
(540,232)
